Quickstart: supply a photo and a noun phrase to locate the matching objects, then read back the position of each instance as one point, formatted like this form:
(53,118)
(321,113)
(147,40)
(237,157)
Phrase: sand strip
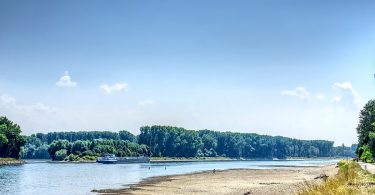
(238,181)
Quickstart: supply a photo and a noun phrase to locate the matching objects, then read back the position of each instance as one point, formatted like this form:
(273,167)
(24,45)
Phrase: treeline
(84,135)
(11,140)
(84,144)
(89,150)
(345,151)
(166,141)
(366,132)
(179,142)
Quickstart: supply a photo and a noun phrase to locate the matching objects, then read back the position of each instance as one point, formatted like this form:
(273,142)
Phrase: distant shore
(198,159)
(194,159)
(10,161)
(237,181)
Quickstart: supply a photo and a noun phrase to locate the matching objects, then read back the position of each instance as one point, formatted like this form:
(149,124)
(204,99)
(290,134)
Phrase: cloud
(115,87)
(347,91)
(32,117)
(9,102)
(66,81)
(299,92)
(146,102)
(337,99)
(320,97)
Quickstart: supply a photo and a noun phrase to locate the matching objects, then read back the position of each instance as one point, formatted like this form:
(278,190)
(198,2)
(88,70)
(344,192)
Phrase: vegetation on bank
(7,159)
(11,140)
(178,143)
(166,141)
(366,132)
(158,141)
(10,161)
(183,159)
(350,179)
(89,150)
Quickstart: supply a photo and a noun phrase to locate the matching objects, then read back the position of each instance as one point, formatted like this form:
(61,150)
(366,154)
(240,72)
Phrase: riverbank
(238,181)
(192,159)
(72,162)
(10,161)
(198,159)
(350,179)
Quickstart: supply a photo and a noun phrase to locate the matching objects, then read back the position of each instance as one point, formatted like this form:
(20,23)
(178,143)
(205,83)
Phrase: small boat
(107,159)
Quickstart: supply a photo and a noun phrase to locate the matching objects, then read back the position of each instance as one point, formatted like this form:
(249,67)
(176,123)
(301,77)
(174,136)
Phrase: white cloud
(347,91)
(31,117)
(66,81)
(115,87)
(146,102)
(345,94)
(9,102)
(299,92)
(336,99)
(320,97)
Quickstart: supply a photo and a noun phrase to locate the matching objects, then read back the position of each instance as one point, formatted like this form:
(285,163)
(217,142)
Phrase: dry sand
(285,180)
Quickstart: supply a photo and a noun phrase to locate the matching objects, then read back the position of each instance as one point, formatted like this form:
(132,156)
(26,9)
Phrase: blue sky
(294,68)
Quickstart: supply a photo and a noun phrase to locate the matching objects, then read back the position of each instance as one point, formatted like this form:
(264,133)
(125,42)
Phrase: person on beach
(214,171)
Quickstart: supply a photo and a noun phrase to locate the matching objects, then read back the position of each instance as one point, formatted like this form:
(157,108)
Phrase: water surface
(41,177)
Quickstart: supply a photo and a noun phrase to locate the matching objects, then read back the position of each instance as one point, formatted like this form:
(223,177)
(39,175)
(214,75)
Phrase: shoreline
(233,181)
(214,159)
(11,162)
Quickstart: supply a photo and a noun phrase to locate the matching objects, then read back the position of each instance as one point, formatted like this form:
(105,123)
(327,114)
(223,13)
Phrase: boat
(141,159)
(112,159)
(107,159)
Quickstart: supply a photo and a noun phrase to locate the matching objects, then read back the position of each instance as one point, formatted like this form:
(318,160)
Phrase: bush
(61,154)
(72,157)
(92,158)
(350,179)
(366,155)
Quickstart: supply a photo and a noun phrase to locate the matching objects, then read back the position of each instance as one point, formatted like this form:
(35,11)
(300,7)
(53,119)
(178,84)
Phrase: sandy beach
(284,180)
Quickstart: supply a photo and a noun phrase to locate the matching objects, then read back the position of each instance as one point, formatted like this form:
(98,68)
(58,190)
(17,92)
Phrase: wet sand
(284,180)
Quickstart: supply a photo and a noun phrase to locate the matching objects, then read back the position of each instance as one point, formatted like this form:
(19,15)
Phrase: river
(38,177)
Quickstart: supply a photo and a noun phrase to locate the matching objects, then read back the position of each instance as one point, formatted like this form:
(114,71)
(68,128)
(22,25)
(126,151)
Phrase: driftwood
(322,176)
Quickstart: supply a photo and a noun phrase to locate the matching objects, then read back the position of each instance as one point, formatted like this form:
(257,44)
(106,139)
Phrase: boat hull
(106,161)
(125,160)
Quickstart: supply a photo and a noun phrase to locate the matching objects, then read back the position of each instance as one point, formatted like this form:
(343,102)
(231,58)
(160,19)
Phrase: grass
(7,159)
(350,179)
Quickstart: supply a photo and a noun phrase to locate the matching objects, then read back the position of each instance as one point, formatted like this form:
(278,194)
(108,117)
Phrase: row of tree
(83,143)
(84,135)
(166,141)
(179,142)
(65,150)
(11,140)
(366,132)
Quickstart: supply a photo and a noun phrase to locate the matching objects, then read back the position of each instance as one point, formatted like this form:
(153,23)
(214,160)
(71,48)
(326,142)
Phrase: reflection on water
(40,177)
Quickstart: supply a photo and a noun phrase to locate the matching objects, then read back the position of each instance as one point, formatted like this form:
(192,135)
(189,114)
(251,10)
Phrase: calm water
(40,177)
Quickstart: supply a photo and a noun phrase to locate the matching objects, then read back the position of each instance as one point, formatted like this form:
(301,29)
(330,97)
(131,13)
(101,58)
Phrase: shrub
(89,158)
(72,157)
(61,154)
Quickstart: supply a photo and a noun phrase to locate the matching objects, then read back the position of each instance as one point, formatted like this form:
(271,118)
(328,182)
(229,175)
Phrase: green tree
(366,130)
(61,154)
(58,145)
(11,139)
